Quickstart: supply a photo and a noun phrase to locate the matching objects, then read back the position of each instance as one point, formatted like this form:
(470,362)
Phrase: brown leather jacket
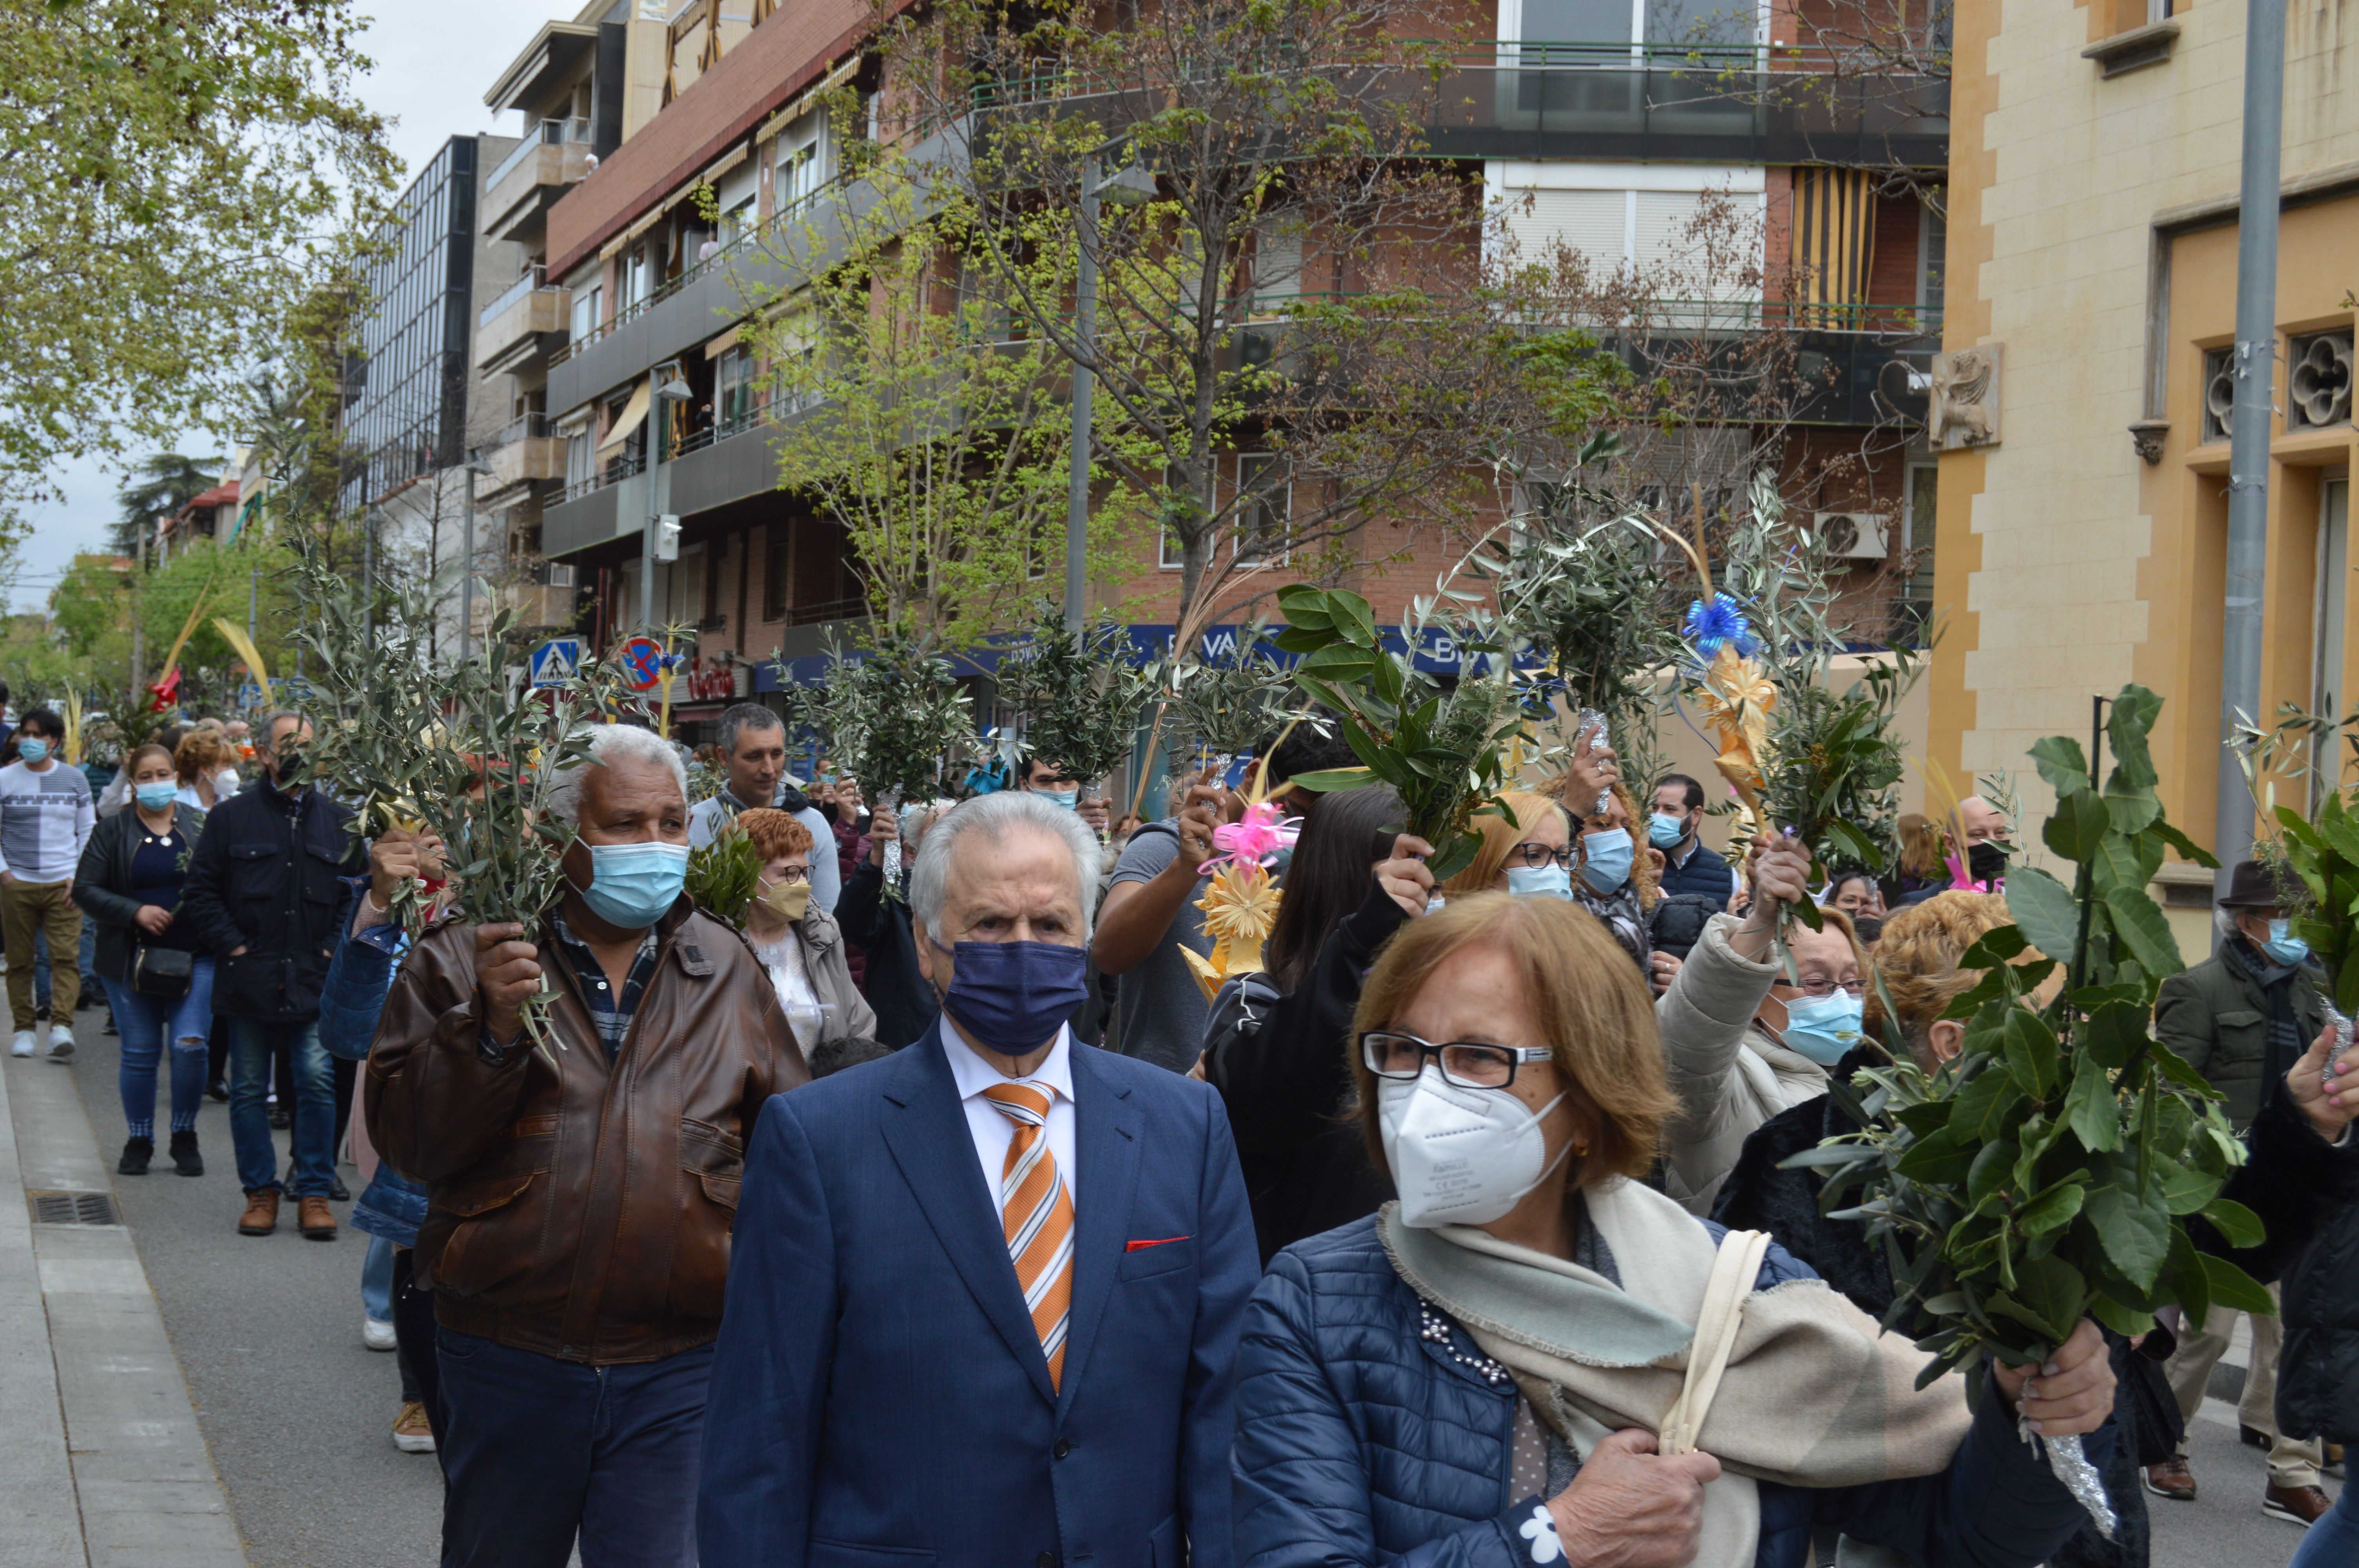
(581,1211)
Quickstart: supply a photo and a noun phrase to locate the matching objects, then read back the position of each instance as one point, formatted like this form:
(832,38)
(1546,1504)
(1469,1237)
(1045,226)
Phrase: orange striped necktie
(1038,1213)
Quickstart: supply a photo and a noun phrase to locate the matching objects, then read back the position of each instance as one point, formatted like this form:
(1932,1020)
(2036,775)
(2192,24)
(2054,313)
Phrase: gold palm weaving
(1038,1213)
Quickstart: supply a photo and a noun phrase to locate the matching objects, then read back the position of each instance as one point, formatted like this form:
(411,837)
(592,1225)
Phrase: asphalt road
(298,1413)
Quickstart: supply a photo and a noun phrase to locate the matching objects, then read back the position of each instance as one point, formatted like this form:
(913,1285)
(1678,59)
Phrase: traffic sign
(642,664)
(555,661)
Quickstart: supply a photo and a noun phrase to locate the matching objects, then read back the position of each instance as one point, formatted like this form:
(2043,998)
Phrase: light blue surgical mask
(1550,881)
(2284,946)
(1606,859)
(1665,831)
(1068,798)
(156,796)
(1824,1028)
(32,750)
(631,885)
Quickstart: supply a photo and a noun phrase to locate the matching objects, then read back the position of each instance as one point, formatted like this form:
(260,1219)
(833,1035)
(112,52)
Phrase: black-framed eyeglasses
(789,875)
(1819,986)
(1389,1054)
(1532,856)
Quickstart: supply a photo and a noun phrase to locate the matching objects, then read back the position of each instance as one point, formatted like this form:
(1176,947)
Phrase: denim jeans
(2333,1541)
(156,1028)
(252,1043)
(535,1450)
(376,1280)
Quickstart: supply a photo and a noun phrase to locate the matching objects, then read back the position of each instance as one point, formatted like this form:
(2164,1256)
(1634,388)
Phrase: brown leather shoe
(261,1216)
(314,1218)
(2172,1479)
(2296,1505)
(2334,1459)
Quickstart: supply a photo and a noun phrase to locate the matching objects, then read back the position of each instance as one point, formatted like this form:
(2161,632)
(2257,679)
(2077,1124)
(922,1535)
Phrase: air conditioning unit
(557,573)
(1858,536)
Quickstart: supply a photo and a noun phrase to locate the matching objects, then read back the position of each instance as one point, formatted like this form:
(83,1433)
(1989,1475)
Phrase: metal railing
(614,470)
(536,277)
(552,133)
(523,428)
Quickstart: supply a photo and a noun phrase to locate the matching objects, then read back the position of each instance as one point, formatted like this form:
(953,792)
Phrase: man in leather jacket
(583,1185)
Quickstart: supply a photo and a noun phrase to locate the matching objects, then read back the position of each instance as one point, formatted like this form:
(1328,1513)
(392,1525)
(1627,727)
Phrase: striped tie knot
(1037,1214)
(1021,1103)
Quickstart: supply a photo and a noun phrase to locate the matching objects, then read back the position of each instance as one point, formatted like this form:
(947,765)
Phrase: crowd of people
(937,1215)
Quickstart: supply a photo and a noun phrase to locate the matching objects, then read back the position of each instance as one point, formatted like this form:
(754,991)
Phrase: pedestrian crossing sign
(555,662)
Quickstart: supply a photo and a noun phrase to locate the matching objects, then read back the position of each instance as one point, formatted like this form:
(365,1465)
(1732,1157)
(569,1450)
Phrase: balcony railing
(551,132)
(535,277)
(523,428)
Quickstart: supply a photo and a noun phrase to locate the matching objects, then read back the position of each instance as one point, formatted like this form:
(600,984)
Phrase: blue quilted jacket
(1363,1438)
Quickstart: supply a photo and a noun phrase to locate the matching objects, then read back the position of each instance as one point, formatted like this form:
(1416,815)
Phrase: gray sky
(434,61)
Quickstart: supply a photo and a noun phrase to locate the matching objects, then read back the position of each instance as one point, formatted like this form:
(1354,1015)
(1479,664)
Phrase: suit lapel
(927,1131)
(1105,1145)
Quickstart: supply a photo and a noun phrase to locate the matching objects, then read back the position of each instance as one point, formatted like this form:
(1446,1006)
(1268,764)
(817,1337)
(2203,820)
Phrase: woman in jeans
(129,883)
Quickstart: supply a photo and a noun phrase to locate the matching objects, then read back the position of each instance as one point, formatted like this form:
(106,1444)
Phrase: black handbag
(165,972)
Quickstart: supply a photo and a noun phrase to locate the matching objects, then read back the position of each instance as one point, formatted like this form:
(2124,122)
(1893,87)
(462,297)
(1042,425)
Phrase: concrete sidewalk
(101,1459)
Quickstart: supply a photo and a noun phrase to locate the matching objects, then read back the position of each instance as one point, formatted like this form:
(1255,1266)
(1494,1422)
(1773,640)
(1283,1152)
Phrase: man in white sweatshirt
(45,819)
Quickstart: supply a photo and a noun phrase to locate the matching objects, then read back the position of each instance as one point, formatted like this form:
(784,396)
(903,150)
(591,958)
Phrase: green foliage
(1836,763)
(1218,708)
(162,484)
(1441,750)
(1076,694)
(723,876)
(169,172)
(897,719)
(2047,1173)
(2323,853)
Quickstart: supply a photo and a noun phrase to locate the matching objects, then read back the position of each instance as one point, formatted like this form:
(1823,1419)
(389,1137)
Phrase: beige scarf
(1815,1394)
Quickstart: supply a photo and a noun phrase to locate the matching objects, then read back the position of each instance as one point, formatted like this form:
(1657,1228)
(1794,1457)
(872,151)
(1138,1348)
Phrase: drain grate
(73,1208)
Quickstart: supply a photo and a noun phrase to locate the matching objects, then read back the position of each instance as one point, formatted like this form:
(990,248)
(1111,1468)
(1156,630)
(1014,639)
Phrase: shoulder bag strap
(1734,1268)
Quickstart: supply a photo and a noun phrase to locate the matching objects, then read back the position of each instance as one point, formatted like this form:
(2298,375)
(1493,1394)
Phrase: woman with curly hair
(801,946)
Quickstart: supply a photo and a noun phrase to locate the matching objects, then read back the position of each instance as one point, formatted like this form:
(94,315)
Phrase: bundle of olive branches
(1076,697)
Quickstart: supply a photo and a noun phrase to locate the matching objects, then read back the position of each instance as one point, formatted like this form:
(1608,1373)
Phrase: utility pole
(252,599)
(1085,331)
(2255,368)
(138,650)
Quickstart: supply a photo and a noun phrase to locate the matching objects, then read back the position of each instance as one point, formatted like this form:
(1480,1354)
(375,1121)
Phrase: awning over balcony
(634,413)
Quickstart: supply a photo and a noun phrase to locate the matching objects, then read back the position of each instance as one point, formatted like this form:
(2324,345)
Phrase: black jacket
(2306,1195)
(902,998)
(267,875)
(102,886)
(1288,1085)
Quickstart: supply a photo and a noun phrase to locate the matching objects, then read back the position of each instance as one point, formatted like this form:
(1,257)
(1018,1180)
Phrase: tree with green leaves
(2047,1171)
(175,176)
(156,485)
(908,413)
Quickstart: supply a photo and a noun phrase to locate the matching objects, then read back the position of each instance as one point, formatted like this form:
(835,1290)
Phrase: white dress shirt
(990,1125)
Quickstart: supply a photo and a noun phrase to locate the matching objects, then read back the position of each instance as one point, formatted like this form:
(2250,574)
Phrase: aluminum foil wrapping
(891,800)
(1589,718)
(2080,1478)
(2342,1043)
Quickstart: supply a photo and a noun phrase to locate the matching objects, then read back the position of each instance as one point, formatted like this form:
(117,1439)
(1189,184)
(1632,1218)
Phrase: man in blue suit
(985,1295)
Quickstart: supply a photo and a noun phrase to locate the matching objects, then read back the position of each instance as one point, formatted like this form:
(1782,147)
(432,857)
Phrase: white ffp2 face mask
(1461,1156)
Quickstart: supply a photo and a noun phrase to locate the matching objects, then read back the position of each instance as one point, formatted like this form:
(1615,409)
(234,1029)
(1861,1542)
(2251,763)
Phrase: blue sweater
(1359,1441)
(351,997)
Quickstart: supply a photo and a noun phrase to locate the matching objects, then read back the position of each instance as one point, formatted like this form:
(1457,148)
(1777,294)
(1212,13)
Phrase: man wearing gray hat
(2242,1017)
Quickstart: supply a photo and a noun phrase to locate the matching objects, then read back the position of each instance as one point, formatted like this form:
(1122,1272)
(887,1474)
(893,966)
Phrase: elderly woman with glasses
(802,949)
(1492,1369)
(1743,1037)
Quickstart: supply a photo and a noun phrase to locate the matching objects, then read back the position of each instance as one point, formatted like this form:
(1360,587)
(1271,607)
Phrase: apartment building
(416,410)
(1610,127)
(2086,390)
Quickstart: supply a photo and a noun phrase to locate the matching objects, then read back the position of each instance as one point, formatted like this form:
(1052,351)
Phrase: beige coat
(1729,1074)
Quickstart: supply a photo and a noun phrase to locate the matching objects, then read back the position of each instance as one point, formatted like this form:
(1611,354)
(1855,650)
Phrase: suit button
(1063,1448)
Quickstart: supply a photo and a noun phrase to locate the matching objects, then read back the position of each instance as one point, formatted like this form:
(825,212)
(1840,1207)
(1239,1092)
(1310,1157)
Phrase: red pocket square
(1159,1241)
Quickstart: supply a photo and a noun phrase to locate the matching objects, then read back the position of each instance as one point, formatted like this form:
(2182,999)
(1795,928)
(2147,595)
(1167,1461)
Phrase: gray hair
(994,816)
(607,743)
(742,716)
(270,723)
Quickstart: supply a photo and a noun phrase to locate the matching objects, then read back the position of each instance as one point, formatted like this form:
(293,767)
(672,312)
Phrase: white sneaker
(61,1040)
(23,1044)
(375,1335)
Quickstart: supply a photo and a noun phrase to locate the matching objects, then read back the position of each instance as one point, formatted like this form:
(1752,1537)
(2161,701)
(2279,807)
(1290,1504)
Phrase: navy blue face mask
(1012,996)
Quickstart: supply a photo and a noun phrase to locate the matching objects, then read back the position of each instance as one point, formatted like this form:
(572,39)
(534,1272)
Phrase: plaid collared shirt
(609,1012)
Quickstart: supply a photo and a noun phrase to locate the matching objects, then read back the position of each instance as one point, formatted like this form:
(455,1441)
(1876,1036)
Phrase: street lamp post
(1133,187)
(474,466)
(674,390)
